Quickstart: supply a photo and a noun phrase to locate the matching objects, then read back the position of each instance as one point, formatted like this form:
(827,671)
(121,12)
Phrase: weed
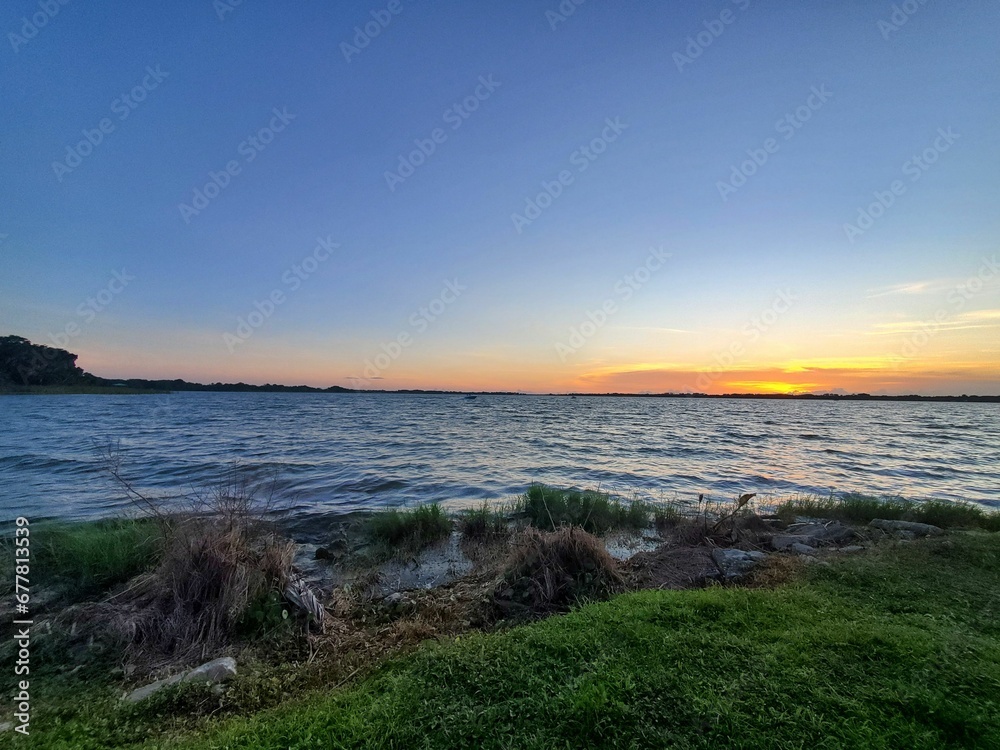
(485,524)
(595,512)
(88,559)
(411,529)
(856,508)
(550,570)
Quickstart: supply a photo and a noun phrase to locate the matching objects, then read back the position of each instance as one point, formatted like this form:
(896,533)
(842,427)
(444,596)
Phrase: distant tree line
(24,363)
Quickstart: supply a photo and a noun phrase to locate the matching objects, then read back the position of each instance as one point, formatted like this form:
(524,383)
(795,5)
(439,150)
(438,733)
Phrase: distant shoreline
(162,388)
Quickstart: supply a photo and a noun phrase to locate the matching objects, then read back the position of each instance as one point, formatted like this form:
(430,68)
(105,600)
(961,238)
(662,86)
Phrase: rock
(851,549)
(784,541)
(829,532)
(336,550)
(212,672)
(802,549)
(813,534)
(6,726)
(906,528)
(735,563)
(140,694)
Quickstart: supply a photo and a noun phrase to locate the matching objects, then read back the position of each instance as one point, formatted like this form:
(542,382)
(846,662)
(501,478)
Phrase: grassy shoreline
(841,657)
(897,646)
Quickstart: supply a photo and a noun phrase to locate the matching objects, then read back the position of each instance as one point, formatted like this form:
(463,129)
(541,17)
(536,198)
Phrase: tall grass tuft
(945,515)
(88,559)
(856,508)
(412,529)
(484,524)
(550,570)
(667,517)
(549,508)
(214,564)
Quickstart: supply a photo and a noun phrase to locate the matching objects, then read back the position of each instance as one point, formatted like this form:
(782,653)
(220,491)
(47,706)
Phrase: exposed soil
(682,567)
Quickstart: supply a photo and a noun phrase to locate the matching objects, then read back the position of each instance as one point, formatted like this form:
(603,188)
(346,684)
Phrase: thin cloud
(919,287)
(974,319)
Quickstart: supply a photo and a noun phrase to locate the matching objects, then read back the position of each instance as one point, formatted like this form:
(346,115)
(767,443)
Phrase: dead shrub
(210,575)
(550,570)
(219,561)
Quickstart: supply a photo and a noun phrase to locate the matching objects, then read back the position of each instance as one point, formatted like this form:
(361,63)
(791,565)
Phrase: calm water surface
(346,452)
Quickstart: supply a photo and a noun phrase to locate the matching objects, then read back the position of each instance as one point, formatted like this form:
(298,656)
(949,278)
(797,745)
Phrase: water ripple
(348,452)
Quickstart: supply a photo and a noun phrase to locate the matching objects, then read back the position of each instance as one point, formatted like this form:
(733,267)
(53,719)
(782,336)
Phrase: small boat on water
(470,397)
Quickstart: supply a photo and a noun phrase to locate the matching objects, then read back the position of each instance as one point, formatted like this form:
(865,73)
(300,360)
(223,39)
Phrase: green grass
(87,559)
(896,648)
(486,523)
(666,517)
(864,508)
(549,508)
(413,529)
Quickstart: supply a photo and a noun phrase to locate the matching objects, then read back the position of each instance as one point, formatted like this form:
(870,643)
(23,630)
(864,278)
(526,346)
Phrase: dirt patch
(681,567)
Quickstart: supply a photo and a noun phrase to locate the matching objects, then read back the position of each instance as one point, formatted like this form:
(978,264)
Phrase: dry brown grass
(217,560)
(775,571)
(210,574)
(548,571)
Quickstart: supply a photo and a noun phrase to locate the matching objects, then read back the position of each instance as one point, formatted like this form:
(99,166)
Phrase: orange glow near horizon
(505,368)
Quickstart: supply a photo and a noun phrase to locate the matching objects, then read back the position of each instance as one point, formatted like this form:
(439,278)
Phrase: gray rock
(851,549)
(813,534)
(784,541)
(906,528)
(735,563)
(216,671)
(6,726)
(822,532)
(802,549)
(140,694)
(212,672)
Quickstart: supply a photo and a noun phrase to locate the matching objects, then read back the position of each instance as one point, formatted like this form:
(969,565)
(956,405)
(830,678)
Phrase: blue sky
(859,306)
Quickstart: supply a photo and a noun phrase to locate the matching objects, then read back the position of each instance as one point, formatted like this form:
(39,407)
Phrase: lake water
(336,453)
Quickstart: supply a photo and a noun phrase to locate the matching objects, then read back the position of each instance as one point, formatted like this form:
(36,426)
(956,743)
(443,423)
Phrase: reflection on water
(344,452)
